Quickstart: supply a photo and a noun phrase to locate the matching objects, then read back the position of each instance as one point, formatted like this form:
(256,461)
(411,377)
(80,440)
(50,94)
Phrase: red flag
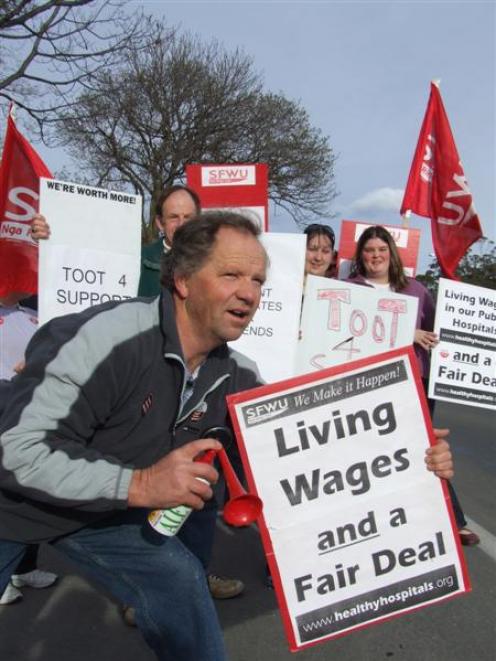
(20,172)
(437,189)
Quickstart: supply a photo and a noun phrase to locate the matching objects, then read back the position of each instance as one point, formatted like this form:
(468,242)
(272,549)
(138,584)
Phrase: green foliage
(478,267)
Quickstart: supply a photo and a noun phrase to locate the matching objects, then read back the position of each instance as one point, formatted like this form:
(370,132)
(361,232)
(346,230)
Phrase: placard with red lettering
(93,253)
(407,242)
(342,321)
(240,187)
(355,529)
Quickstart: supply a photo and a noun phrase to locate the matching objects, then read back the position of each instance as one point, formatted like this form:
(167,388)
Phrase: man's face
(176,210)
(222,297)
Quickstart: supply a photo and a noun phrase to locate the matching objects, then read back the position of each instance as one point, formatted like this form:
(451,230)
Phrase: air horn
(242,508)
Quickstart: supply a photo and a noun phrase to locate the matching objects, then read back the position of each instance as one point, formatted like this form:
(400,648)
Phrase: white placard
(342,321)
(355,529)
(92,255)
(463,365)
(272,337)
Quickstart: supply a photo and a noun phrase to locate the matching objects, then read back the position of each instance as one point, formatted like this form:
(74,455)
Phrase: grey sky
(362,70)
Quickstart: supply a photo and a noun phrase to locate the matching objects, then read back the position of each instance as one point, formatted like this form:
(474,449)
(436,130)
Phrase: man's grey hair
(194,241)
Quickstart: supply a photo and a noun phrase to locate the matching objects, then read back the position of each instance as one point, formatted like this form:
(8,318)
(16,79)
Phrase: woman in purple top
(377,264)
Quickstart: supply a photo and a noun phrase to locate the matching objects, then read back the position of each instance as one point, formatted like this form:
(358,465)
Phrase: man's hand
(438,457)
(39,227)
(174,479)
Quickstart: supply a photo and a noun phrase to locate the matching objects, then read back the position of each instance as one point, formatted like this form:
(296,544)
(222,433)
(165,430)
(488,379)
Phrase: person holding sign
(377,264)
(320,257)
(100,430)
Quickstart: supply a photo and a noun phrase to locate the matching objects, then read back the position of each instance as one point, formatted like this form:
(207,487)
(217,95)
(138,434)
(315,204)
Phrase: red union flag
(20,172)
(437,189)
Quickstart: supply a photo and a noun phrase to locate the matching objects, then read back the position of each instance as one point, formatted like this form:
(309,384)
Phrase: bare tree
(180,101)
(51,49)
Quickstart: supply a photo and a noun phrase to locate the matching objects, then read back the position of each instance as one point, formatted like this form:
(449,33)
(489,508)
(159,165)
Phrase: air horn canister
(169,521)
(242,508)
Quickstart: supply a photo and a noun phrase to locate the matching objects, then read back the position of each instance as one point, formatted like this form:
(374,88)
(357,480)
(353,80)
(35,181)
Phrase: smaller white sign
(92,255)
(463,365)
(228,175)
(272,337)
(342,321)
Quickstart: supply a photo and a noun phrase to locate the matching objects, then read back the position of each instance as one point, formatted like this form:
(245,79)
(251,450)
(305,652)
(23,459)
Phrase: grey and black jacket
(99,396)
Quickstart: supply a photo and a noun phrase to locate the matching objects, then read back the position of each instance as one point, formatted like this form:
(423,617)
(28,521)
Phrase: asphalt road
(73,622)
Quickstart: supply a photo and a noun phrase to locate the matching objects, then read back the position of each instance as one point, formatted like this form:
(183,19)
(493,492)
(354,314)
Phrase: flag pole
(406,219)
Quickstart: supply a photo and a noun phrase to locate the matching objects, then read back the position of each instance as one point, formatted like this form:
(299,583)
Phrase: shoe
(10,595)
(468,537)
(34,579)
(224,588)
(128,615)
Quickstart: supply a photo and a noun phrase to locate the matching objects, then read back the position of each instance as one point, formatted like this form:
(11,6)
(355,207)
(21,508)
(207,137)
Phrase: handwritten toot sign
(241,187)
(463,365)
(92,255)
(342,321)
(355,529)
(271,338)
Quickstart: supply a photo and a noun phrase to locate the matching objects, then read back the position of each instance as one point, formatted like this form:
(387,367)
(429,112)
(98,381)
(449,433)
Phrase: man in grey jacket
(99,429)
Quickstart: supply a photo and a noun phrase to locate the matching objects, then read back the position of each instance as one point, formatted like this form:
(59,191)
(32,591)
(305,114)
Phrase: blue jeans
(198,531)
(156,575)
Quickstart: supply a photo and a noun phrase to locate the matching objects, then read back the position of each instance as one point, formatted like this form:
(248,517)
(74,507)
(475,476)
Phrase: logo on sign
(229,176)
(261,412)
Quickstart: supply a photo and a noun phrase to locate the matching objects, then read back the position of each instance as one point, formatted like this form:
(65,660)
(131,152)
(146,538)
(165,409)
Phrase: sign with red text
(463,364)
(407,242)
(241,187)
(354,527)
(93,253)
(271,339)
(342,321)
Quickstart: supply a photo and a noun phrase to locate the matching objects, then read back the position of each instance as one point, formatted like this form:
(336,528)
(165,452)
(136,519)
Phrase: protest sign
(354,527)
(272,336)
(407,242)
(342,321)
(463,365)
(241,187)
(92,255)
